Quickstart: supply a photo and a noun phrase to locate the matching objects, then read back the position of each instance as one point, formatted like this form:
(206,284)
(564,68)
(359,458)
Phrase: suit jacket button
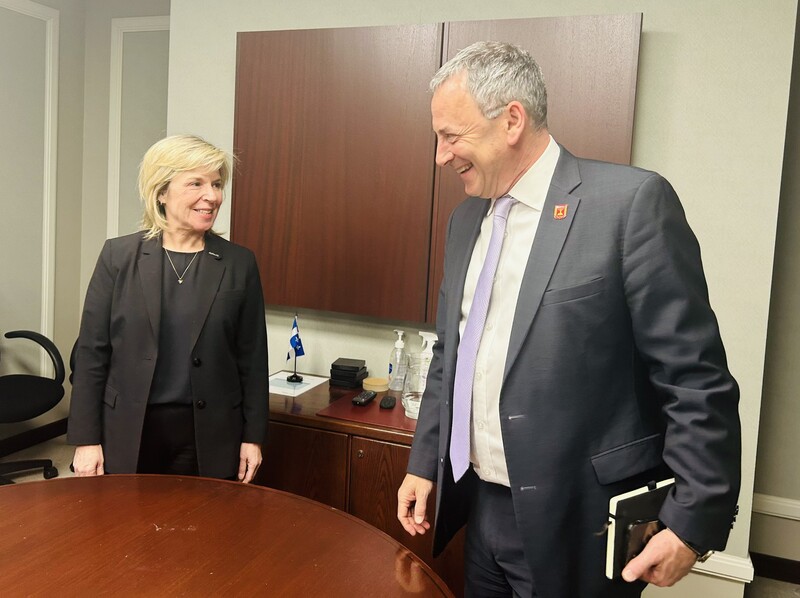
(196,361)
(201,404)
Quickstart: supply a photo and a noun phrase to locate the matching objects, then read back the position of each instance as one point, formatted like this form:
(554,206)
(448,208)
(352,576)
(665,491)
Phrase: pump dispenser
(398,362)
(428,340)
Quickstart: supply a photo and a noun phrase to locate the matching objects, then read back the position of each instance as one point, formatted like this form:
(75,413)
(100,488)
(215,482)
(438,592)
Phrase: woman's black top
(171,381)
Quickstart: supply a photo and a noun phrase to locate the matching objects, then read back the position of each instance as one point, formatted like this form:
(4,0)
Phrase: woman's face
(192,201)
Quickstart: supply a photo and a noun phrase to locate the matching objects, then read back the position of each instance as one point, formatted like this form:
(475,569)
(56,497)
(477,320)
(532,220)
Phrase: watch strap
(702,557)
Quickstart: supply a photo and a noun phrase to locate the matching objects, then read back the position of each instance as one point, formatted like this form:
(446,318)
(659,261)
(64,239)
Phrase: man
(596,367)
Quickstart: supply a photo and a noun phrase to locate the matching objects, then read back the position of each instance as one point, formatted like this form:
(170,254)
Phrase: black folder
(633,520)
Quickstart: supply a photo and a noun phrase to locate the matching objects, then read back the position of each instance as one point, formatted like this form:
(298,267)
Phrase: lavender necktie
(471,339)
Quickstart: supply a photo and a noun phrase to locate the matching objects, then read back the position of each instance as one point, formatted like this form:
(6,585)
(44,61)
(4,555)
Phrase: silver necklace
(180,276)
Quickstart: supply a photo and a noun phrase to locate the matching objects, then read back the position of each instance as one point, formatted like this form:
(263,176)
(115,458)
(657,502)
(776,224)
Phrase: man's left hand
(249,460)
(664,561)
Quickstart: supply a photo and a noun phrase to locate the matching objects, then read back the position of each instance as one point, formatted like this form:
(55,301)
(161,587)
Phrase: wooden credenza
(354,464)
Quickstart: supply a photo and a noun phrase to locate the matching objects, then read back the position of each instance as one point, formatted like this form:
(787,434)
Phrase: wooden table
(149,535)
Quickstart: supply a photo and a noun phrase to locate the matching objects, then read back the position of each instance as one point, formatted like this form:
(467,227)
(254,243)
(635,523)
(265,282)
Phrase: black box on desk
(346,379)
(348,372)
(346,364)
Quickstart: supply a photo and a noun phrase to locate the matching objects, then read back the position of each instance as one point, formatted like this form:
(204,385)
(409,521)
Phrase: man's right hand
(412,500)
(88,460)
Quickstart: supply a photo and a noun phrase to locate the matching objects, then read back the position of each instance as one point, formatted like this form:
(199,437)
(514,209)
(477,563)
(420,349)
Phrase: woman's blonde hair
(165,159)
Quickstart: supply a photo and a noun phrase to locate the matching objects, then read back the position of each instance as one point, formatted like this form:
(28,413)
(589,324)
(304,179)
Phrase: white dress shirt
(486,442)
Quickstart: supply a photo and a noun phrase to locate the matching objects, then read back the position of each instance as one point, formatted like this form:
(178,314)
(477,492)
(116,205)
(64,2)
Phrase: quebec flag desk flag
(296,348)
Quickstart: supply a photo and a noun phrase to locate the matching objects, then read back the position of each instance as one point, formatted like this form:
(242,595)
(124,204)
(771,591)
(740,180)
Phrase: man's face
(474,146)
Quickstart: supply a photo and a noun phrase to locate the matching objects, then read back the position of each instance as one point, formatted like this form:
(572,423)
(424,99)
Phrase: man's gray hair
(496,74)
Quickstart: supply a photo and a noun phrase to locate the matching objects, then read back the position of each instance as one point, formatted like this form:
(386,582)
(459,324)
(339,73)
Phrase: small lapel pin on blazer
(216,256)
(560,211)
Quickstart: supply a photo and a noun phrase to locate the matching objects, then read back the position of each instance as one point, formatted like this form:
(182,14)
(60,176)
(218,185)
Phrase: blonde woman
(170,369)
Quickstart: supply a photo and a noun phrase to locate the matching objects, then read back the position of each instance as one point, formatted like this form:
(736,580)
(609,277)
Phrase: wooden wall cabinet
(333,187)
(336,190)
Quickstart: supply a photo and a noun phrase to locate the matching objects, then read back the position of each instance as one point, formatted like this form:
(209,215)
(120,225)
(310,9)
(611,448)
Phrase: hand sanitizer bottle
(398,362)
(428,340)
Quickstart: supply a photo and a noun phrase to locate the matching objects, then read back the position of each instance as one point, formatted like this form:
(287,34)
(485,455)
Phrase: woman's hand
(88,460)
(249,460)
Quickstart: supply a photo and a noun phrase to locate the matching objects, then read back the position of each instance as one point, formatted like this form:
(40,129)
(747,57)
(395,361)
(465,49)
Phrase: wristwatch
(702,557)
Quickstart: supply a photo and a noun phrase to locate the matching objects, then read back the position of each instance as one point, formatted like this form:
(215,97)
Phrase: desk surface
(309,409)
(170,535)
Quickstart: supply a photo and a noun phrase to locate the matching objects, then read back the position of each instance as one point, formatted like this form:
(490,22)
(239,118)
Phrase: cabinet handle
(360,454)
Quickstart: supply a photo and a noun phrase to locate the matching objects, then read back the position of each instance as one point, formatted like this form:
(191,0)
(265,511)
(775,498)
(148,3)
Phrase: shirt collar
(531,189)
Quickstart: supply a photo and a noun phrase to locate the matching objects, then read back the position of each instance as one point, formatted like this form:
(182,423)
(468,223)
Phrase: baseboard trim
(30,438)
(727,566)
(776,568)
(776,506)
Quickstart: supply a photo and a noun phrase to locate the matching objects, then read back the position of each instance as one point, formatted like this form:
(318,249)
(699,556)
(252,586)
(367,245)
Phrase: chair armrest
(47,345)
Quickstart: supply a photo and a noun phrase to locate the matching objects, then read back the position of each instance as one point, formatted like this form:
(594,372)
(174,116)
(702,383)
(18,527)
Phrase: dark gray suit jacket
(615,375)
(118,347)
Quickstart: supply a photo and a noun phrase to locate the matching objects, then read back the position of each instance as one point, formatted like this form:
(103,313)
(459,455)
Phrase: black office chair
(25,396)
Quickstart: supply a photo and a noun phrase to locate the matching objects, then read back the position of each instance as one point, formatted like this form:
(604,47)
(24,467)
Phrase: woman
(171,362)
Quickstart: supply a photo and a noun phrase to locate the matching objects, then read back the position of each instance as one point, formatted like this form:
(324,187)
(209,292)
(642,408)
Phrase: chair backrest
(25,396)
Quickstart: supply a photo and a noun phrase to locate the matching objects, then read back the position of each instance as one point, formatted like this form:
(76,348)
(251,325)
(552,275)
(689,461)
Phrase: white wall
(142,116)
(776,521)
(66,186)
(711,116)
(23,120)
(96,118)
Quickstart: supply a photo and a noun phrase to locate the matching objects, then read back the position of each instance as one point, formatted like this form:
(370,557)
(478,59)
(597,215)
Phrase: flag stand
(294,377)
(296,346)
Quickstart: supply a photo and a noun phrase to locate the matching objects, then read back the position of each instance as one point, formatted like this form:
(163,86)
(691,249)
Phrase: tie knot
(503,205)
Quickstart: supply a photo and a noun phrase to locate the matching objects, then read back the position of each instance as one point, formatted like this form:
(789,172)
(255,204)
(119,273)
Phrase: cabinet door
(376,471)
(336,158)
(307,462)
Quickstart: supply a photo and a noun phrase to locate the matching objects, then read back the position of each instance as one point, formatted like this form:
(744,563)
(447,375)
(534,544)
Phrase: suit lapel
(209,278)
(150,263)
(558,212)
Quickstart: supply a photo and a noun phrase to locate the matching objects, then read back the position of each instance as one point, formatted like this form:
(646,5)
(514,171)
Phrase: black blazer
(615,374)
(118,347)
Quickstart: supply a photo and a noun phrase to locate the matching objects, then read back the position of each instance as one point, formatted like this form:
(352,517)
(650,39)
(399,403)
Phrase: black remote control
(364,397)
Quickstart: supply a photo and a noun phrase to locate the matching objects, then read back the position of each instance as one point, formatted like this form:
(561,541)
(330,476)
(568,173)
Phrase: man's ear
(516,121)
